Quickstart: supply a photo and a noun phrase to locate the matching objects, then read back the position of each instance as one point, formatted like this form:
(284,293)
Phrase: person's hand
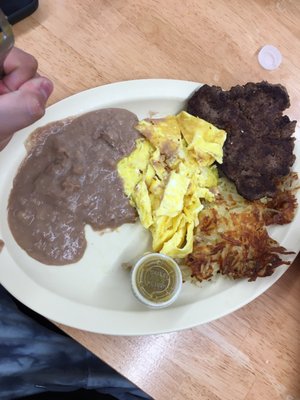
(23,94)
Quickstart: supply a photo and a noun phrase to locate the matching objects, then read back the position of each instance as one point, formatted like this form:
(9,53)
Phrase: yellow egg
(132,168)
(208,177)
(169,177)
(192,208)
(204,139)
(159,165)
(173,197)
(150,174)
(163,229)
(181,243)
(143,203)
(163,134)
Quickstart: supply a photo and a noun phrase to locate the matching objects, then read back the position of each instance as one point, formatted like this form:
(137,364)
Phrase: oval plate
(95,293)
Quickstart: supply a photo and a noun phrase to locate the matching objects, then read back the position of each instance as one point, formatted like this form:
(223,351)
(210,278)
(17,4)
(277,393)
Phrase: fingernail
(36,107)
(46,88)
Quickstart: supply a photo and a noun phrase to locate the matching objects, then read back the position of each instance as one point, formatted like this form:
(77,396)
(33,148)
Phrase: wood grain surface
(253,353)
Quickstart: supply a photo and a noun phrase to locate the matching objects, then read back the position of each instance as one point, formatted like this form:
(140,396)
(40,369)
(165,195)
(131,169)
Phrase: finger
(23,107)
(38,83)
(4,89)
(19,67)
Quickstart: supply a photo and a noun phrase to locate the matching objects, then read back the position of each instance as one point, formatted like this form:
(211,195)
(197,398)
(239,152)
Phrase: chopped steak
(259,146)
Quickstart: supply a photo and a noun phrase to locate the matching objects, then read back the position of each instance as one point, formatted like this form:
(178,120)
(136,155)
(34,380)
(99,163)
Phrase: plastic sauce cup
(156,280)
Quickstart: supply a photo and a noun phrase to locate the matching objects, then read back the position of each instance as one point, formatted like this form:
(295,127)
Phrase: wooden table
(253,353)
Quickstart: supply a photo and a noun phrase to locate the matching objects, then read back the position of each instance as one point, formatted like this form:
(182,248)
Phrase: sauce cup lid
(156,280)
(269,57)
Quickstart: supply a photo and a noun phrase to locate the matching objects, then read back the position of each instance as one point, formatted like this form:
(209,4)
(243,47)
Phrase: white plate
(95,294)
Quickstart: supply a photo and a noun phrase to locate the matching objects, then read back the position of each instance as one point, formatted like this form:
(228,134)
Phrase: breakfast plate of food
(197,177)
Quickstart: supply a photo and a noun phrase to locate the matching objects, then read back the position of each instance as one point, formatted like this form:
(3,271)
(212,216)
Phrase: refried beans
(69,179)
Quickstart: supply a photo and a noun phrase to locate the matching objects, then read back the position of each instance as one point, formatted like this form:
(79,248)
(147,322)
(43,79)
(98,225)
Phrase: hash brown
(232,237)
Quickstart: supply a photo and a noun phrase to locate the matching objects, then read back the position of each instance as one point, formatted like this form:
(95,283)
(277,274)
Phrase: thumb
(23,107)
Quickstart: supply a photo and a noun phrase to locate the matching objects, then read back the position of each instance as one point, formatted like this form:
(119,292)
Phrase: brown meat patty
(259,146)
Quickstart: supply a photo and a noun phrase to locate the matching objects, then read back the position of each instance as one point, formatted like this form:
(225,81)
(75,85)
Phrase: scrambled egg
(169,175)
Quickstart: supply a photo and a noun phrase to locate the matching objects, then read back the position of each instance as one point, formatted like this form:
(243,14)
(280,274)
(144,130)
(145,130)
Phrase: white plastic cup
(158,274)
